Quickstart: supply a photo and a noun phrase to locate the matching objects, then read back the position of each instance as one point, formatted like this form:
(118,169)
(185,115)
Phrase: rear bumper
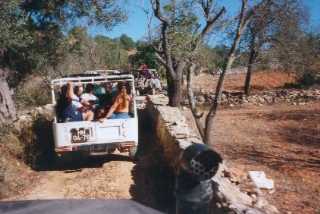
(96,148)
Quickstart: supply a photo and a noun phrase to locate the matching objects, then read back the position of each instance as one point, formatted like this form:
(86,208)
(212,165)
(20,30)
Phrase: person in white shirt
(88,98)
(76,110)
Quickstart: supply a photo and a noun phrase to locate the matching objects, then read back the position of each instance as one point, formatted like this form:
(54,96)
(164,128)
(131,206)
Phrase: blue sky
(136,26)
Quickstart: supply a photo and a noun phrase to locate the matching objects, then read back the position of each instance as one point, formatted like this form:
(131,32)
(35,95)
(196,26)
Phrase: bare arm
(86,103)
(70,92)
(113,108)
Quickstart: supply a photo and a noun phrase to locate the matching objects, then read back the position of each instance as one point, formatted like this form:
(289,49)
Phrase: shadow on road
(153,178)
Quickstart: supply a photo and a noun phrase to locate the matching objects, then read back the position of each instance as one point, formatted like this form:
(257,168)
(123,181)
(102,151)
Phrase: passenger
(62,104)
(89,99)
(120,107)
(110,93)
(155,84)
(76,111)
(105,101)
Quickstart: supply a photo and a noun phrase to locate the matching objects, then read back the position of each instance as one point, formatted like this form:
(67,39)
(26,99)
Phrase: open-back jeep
(95,137)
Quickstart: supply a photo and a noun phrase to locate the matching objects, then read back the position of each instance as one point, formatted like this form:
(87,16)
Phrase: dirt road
(95,178)
(147,181)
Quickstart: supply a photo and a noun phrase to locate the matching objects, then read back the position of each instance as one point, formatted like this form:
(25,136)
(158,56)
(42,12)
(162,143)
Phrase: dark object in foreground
(194,191)
(75,207)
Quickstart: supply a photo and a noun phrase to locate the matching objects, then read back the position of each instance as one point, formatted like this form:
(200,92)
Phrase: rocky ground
(275,130)
(283,141)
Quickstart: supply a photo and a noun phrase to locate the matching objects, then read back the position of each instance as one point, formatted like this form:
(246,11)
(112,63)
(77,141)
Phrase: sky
(136,25)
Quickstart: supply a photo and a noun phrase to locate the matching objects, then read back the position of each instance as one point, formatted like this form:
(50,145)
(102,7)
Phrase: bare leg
(88,116)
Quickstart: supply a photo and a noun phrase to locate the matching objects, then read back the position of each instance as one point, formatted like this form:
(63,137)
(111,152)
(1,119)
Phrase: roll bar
(94,79)
(90,79)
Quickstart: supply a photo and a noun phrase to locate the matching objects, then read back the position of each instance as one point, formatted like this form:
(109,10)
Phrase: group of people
(97,102)
(148,82)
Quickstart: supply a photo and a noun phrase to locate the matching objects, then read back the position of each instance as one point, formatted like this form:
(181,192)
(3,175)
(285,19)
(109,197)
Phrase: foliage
(145,55)
(33,32)
(126,42)
(65,13)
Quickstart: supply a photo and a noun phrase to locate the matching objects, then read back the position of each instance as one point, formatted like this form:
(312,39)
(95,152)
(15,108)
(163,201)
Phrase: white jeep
(95,137)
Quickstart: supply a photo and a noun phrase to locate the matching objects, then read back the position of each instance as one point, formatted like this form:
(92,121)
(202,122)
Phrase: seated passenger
(76,111)
(120,107)
(62,104)
(106,99)
(88,98)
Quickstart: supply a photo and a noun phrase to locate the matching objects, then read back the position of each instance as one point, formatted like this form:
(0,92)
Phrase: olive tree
(263,30)
(246,13)
(180,36)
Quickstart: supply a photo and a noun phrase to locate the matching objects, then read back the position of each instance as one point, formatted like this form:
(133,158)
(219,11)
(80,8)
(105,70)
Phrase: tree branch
(164,63)
(206,6)
(157,11)
(164,41)
(210,23)
(229,61)
(192,102)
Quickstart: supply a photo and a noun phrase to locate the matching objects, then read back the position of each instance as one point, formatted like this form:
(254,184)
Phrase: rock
(185,102)
(260,180)
(201,99)
(264,205)
(269,99)
(261,100)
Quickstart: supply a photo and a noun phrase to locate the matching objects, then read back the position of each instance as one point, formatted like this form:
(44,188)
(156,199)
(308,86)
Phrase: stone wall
(290,96)
(174,135)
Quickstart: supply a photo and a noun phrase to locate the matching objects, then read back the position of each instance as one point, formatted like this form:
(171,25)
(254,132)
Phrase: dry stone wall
(290,96)
(174,135)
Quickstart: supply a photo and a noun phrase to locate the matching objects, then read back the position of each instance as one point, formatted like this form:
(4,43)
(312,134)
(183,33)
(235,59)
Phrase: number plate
(81,135)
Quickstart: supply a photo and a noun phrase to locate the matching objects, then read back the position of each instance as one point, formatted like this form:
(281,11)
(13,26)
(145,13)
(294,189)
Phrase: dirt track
(147,181)
(103,178)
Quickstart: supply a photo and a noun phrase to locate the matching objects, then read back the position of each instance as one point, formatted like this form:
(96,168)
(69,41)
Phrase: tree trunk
(192,102)
(7,108)
(175,85)
(219,88)
(176,93)
(209,124)
(252,58)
